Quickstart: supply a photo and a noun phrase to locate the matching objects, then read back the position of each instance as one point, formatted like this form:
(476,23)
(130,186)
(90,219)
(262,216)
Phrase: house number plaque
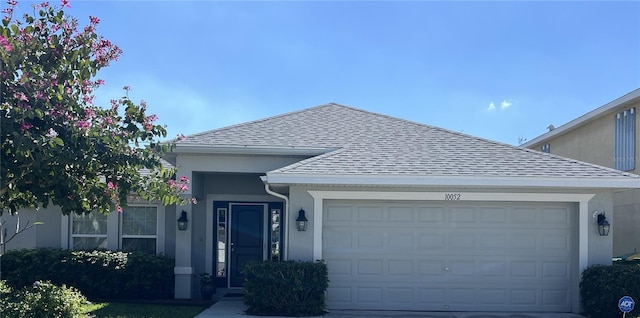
(452,196)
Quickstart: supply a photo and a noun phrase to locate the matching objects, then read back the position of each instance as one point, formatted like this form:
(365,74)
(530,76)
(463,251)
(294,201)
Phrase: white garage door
(445,256)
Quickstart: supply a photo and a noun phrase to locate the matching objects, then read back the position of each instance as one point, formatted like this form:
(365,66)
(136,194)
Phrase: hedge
(98,274)
(287,288)
(602,286)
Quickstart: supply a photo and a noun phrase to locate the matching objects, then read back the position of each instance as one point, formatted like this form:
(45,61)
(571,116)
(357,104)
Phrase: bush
(602,287)
(98,274)
(285,288)
(43,299)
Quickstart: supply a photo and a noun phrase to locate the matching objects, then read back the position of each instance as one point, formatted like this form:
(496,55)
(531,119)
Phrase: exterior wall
(626,222)
(41,235)
(300,243)
(214,177)
(591,248)
(593,142)
(599,250)
(26,239)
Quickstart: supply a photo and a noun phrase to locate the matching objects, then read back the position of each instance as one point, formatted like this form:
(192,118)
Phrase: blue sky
(500,70)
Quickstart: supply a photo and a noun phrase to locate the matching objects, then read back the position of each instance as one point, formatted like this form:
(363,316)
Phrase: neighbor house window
(139,229)
(625,140)
(89,231)
(546,148)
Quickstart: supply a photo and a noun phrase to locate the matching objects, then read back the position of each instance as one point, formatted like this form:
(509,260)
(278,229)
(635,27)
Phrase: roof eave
(596,113)
(453,181)
(200,149)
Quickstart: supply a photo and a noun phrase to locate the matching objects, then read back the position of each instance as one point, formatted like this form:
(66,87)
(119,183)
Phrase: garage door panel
(451,270)
(457,256)
(442,298)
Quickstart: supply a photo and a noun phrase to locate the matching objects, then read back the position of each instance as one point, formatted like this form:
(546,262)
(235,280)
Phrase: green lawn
(143,310)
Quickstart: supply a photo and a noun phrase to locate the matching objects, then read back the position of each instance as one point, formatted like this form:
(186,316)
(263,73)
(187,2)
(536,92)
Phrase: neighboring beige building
(606,136)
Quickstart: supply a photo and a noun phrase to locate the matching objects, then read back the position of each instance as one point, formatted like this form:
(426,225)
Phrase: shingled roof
(365,145)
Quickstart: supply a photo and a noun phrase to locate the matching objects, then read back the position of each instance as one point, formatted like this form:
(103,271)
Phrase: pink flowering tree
(57,146)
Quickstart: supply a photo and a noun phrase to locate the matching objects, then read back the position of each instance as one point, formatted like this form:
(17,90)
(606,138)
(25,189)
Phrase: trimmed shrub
(602,286)
(98,274)
(287,288)
(43,299)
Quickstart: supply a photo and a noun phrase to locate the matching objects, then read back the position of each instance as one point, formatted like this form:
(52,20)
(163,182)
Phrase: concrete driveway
(234,307)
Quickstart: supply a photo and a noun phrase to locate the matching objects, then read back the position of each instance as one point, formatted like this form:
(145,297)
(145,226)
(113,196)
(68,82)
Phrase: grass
(174,309)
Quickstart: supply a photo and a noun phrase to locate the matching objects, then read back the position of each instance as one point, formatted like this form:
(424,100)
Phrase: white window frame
(159,227)
(114,229)
(73,236)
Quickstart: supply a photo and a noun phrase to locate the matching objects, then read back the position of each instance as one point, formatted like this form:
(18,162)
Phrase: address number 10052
(452,196)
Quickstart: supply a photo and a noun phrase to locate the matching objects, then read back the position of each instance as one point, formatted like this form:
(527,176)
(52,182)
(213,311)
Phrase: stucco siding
(26,239)
(626,222)
(592,142)
(48,233)
(300,243)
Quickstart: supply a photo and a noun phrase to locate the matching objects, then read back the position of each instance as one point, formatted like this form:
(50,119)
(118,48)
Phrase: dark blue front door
(246,240)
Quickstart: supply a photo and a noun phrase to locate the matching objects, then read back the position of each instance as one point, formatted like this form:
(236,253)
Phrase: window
(546,148)
(222,242)
(275,235)
(89,231)
(625,140)
(139,228)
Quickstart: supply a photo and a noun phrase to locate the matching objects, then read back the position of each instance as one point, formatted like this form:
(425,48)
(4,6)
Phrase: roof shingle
(373,144)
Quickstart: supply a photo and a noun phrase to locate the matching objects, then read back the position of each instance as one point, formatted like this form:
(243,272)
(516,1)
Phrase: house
(608,136)
(407,216)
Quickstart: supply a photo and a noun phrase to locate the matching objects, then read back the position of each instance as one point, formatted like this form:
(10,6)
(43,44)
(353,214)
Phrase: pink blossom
(44,4)
(172,183)
(183,187)
(181,137)
(127,88)
(12,2)
(94,20)
(5,43)
(21,96)
(26,126)
(99,82)
(110,185)
(65,3)
(184,179)
(119,209)
(83,124)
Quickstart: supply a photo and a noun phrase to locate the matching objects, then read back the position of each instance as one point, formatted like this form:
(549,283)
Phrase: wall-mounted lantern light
(182,221)
(301,221)
(603,224)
